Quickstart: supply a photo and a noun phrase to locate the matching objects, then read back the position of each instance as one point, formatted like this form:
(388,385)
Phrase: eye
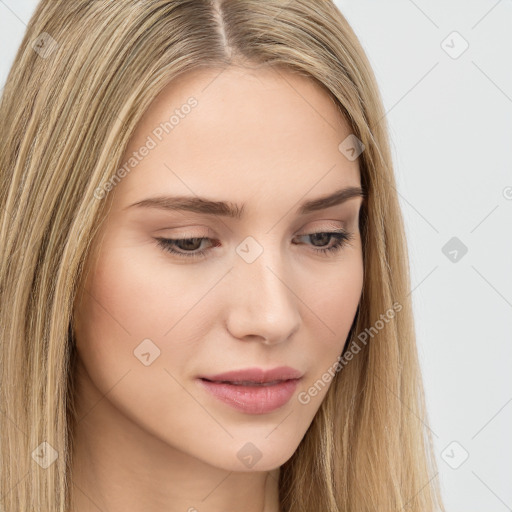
(189,247)
(341,238)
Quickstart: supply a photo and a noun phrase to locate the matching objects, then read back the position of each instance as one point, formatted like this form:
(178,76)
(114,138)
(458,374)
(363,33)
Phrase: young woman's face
(260,291)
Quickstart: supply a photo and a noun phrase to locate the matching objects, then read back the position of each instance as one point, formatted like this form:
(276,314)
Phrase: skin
(150,437)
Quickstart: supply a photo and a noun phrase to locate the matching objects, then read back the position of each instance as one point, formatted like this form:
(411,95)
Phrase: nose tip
(262,306)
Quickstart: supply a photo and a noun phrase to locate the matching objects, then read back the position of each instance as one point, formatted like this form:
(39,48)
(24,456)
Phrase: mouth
(246,382)
(254,376)
(252,396)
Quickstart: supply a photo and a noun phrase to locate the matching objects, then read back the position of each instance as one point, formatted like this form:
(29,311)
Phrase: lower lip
(253,399)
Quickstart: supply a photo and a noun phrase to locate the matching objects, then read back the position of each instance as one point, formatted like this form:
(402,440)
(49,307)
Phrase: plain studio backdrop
(444,73)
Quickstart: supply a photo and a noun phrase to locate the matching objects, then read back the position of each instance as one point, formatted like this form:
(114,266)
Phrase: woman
(204,280)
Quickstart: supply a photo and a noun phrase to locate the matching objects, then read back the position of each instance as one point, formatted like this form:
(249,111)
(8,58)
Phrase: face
(179,291)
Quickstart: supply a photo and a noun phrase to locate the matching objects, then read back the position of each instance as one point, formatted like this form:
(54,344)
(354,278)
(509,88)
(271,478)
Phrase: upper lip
(259,375)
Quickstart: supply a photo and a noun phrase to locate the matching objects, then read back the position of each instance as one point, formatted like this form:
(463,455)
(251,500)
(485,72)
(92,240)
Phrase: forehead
(236,131)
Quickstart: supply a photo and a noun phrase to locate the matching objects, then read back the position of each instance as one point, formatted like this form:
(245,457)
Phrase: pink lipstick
(254,390)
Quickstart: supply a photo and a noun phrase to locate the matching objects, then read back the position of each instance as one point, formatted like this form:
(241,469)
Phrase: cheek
(333,308)
(343,300)
(334,296)
(121,325)
(131,297)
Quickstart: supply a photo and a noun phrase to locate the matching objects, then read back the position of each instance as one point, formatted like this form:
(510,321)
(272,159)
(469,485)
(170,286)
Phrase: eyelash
(342,238)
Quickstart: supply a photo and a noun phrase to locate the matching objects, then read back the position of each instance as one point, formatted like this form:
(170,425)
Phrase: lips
(253,390)
(246,382)
(253,376)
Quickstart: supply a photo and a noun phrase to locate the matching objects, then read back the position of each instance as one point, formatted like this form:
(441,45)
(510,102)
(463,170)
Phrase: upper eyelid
(301,233)
(340,230)
(325,227)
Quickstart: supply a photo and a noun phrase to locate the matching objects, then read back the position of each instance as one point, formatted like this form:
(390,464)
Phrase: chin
(253,455)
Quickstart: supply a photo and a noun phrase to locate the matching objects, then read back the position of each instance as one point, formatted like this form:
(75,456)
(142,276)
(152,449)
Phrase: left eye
(189,246)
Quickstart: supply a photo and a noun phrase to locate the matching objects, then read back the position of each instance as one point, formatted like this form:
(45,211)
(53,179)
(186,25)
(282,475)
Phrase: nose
(262,304)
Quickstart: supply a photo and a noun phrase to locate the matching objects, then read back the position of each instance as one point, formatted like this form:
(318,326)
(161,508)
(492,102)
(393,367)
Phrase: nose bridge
(262,302)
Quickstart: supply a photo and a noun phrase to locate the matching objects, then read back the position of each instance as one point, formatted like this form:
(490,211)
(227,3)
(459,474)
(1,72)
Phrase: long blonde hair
(85,73)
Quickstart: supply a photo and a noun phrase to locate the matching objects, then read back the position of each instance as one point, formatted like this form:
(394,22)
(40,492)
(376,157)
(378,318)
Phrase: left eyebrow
(235,211)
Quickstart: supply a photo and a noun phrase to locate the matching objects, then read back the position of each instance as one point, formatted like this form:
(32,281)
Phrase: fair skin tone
(150,437)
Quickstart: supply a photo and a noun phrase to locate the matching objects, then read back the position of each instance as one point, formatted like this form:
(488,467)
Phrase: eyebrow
(235,211)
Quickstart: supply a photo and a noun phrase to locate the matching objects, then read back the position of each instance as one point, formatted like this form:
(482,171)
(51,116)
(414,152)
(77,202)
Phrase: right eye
(189,245)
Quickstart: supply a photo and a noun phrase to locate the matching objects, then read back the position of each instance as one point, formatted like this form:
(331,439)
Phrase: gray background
(450,116)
